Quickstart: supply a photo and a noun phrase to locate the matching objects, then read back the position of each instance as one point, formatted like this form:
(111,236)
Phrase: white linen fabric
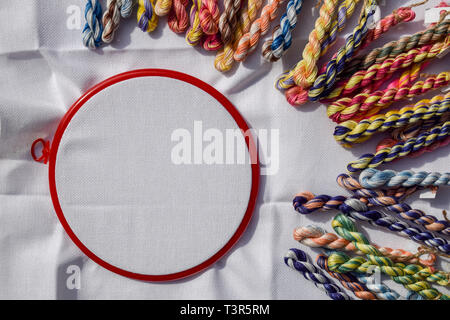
(45,68)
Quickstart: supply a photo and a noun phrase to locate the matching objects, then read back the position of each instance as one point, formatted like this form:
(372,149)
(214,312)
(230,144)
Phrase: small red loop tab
(45,153)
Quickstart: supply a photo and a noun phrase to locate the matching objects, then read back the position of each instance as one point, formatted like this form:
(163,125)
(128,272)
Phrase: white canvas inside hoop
(123,196)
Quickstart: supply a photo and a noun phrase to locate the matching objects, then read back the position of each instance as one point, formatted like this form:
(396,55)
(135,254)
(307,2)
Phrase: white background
(45,68)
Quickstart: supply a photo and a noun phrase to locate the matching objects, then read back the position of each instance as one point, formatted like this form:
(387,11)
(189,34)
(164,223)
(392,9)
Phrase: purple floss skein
(298,260)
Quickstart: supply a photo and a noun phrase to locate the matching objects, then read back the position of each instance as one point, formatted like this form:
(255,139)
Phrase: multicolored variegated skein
(298,260)
(432,110)
(437,135)
(373,178)
(195,33)
(410,276)
(162,7)
(93,29)
(178,18)
(347,280)
(281,40)
(247,43)
(307,203)
(316,237)
(115,9)
(146,17)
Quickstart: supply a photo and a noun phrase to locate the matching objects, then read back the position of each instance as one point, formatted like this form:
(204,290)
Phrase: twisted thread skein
(346,228)
(380,71)
(401,149)
(195,32)
(392,49)
(345,108)
(178,20)
(296,94)
(366,104)
(93,29)
(298,260)
(247,43)
(224,59)
(409,276)
(162,7)
(111,18)
(228,20)
(402,14)
(372,195)
(209,20)
(306,203)
(350,132)
(146,17)
(209,17)
(393,203)
(316,237)
(347,280)
(305,71)
(324,84)
(325,81)
(345,11)
(255,29)
(230,30)
(281,40)
(373,178)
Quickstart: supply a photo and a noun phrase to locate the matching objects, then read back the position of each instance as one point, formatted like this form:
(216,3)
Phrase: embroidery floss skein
(347,280)
(380,71)
(346,228)
(306,203)
(247,43)
(229,19)
(230,30)
(162,7)
(392,203)
(146,17)
(224,58)
(178,20)
(295,93)
(281,40)
(298,95)
(111,18)
(298,260)
(373,178)
(398,86)
(195,32)
(209,17)
(401,149)
(350,132)
(305,71)
(409,276)
(433,34)
(325,81)
(366,104)
(317,237)
(93,29)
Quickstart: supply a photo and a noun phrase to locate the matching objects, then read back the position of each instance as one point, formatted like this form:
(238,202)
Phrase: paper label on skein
(374,18)
(428,194)
(433,15)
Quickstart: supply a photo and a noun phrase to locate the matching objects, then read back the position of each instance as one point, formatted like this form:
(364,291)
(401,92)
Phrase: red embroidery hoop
(49,154)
